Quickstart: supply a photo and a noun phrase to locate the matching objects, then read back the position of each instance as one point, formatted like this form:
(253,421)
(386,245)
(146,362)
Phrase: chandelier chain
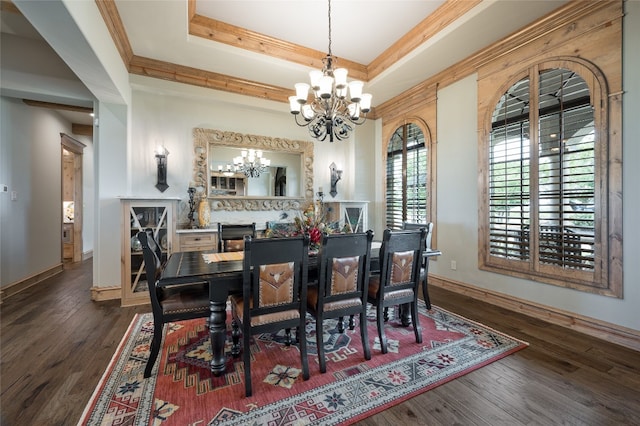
(329,13)
(336,106)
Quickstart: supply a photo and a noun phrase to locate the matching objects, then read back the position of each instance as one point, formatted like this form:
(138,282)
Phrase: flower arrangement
(311,220)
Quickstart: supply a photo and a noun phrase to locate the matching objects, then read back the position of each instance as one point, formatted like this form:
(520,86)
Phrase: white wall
(458,200)
(167,113)
(30,236)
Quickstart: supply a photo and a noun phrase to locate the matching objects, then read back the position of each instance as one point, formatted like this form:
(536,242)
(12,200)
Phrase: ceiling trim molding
(560,17)
(236,36)
(82,129)
(443,16)
(221,32)
(112,20)
(182,74)
(211,29)
(53,105)
(8,6)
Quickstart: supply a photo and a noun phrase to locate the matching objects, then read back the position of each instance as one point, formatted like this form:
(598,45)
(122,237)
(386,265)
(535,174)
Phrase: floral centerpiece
(311,220)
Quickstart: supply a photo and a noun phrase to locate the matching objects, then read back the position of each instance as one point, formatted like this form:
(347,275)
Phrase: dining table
(223,272)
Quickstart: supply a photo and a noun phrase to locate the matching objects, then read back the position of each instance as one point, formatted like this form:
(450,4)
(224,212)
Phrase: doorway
(71,198)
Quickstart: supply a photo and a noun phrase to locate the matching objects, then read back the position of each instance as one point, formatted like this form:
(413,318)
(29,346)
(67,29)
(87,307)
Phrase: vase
(204,213)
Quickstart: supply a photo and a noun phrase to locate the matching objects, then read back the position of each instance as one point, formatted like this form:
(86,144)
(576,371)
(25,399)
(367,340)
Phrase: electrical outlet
(14,195)
(454,265)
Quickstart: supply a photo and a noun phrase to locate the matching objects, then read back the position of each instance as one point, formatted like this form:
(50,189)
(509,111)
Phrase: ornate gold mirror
(283,185)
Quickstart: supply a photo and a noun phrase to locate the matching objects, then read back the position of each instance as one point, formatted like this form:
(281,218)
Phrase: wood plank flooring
(56,343)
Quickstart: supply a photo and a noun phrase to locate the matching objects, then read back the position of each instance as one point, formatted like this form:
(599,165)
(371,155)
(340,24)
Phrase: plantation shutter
(509,188)
(564,191)
(394,180)
(406,192)
(416,188)
(566,171)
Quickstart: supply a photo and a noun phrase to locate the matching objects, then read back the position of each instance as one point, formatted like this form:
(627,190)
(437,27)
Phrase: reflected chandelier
(330,113)
(251,163)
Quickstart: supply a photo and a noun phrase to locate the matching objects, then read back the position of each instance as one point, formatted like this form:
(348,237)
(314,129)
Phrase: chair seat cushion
(237,305)
(312,301)
(180,300)
(374,285)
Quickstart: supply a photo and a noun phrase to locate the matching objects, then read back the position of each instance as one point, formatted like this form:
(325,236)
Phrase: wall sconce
(161,158)
(336,175)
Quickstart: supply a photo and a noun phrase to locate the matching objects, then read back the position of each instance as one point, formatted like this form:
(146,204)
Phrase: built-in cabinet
(197,240)
(138,215)
(352,215)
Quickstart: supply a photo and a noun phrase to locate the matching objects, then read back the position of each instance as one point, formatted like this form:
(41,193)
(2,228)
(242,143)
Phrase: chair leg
(340,325)
(386,314)
(320,344)
(425,294)
(383,338)
(302,341)
(416,322)
(352,324)
(287,337)
(155,347)
(235,337)
(403,311)
(364,336)
(246,359)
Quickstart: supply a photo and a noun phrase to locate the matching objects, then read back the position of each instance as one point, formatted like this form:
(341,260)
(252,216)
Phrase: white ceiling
(361,31)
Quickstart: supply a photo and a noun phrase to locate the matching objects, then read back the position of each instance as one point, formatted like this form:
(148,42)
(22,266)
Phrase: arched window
(546,176)
(407,177)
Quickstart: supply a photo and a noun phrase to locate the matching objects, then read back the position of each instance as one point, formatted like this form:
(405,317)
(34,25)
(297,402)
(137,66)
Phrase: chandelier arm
(305,123)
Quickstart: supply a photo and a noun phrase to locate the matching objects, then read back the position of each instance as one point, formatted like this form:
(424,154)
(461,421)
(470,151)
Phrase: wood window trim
(607,277)
(430,144)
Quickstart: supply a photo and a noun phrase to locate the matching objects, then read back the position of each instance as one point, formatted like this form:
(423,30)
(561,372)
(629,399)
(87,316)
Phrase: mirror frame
(203,139)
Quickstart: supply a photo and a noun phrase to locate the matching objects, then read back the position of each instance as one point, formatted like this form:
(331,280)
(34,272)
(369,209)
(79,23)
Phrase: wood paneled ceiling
(261,48)
(262,52)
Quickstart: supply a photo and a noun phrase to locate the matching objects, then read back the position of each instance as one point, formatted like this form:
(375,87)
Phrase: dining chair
(274,294)
(168,303)
(399,278)
(231,236)
(343,264)
(424,270)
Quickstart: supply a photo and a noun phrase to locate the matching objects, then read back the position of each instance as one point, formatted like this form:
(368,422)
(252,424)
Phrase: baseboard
(87,255)
(18,286)
(603,330)
(100,294)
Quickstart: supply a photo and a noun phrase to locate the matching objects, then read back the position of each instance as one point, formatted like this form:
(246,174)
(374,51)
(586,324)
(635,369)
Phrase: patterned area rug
(182,391)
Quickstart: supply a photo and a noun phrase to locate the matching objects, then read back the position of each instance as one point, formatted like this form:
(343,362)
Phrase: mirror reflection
(286,183)
(279,176)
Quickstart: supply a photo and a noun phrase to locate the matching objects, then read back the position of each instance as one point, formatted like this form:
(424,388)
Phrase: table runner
(223,257)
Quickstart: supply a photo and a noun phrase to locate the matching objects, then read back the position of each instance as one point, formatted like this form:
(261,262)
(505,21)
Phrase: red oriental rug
(181,390)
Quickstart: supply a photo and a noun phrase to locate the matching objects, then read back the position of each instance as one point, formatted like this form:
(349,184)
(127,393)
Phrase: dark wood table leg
(218,330)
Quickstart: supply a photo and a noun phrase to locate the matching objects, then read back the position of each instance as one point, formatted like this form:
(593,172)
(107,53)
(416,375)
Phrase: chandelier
(330,112)
(251,163)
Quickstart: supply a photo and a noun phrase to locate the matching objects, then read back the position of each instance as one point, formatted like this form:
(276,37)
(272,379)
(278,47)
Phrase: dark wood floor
(56,343)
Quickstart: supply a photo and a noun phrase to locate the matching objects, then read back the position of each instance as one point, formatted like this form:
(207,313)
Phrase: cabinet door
(156,217)
(353,217)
